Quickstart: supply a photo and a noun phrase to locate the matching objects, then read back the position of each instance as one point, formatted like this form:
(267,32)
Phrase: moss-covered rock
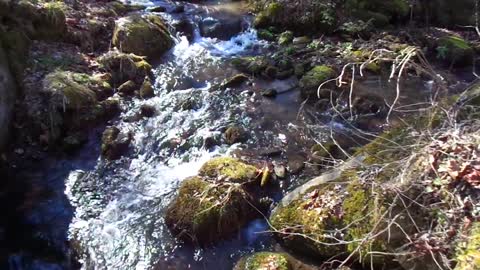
(310,82)
(17,47)
(68,90)
(251,65)
(455,51)
(146,36)
(342,220)
(205,212)
(309,17)
(285,38)
(468,255)
(124,67)
(127,88)
(264,260)
(228,168)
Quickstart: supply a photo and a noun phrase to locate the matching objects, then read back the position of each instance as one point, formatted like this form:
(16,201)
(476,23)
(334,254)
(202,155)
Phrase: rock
(307,18)
(178,9)
(234,81)
(124,67)
(8,93)
(127,88)
(234,135)
(158,9)
(121,9)
(301,40)
(310,82)
(455,51)
(203,214)
(206,211)
(146,90)
(228,168)
(114,143)
(74,142)
(185,27)
(251,65)
(285,38)
(264,260)
(271,93)
(68,90)
(221,28)
(280,170)
(147,110)
(270,152)
(295,164)
(266,35)
(147,36)
(210,142)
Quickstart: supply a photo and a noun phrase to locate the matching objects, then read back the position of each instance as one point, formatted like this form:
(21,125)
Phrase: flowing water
(112,213)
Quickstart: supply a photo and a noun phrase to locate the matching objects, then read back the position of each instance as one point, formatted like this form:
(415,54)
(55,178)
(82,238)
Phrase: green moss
(455,50)
(148,36)
(267,260)
(125,67)
(231,168)
(310,82)
(285,38)
(251,65)
(205,213)
(69,90)
(468,255)
(314,222)
(266,35)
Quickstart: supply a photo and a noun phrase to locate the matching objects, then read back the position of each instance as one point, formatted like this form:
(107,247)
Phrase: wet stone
(147,110)
(296,164)
(115,143)
(234,135)
(270,93)
(127,88)
(158,9)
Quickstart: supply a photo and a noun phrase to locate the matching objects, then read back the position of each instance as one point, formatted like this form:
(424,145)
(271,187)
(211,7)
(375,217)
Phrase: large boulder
(214,205)
(7,97)
(142,35)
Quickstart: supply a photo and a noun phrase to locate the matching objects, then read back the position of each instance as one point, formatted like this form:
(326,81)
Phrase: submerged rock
(264,260)
(146,90)
(213,205)
(147,36)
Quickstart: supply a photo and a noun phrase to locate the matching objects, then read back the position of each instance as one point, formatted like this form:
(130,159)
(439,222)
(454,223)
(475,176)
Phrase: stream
(111,213)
